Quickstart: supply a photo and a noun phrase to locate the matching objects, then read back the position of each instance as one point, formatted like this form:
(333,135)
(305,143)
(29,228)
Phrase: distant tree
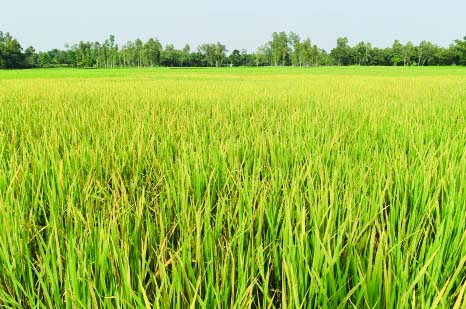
(263,55)
(44,60)
(71,57)
(235,58)
(316,58)
(446,56)
(84,56)
(152,52)
(139,49)
(408,52)
(297,49)
(260,56)
(280,49)
(219,54)
(170,56)
(214,54)
(113,51)
(306,53)
(208,52)
(11,52)
(197,59)
(247,59)
(342,52)
(128,54)
(397,53)
(58,57)
(185,57)
(362,53)
(460,50)
(425,51)
(323,58)
(379,56)
(30,58)
(103,52)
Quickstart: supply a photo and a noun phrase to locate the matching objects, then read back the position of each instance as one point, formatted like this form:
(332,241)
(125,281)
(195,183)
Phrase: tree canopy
(282,50)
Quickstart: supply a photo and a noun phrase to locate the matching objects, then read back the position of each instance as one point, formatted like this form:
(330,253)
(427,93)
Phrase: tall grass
(233,188)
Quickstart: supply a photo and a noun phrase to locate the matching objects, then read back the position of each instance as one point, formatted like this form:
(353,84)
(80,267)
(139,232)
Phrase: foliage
(283,50)
(11,53)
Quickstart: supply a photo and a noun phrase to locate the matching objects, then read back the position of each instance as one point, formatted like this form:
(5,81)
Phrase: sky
(238,24)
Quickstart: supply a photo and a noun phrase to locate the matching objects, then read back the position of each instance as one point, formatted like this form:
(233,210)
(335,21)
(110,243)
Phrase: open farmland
(237,187)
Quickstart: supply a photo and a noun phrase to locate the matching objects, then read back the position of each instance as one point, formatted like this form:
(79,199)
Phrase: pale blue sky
(48,24)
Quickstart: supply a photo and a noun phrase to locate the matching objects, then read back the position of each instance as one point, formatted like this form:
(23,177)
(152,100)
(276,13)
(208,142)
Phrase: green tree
(280,49)
(283,49)
(377,56)
(235,58)
(139,50)
(208,52)
(11,52)
(460,50)
(297,51)
(128,54)
(152,52)
(362,53)
(424,52)
(113,51)
(30,59)
(342,52)
(197,59)
(84,54)
(44,60)
(263,55)
(219,54)
(408,52)
(214,54)
(171,57)
(397,53)
(306,53)
(445,56)
(185,58)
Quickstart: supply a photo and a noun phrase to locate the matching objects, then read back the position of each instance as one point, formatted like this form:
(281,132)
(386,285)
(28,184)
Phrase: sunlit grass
(265,187)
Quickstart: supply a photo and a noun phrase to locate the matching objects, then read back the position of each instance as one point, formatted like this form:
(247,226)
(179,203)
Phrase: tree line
(284,49)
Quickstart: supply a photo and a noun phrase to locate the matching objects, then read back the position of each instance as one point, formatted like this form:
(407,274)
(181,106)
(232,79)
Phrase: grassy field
(270,187)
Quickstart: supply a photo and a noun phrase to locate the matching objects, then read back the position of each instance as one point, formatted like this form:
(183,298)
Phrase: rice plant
(283,187)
